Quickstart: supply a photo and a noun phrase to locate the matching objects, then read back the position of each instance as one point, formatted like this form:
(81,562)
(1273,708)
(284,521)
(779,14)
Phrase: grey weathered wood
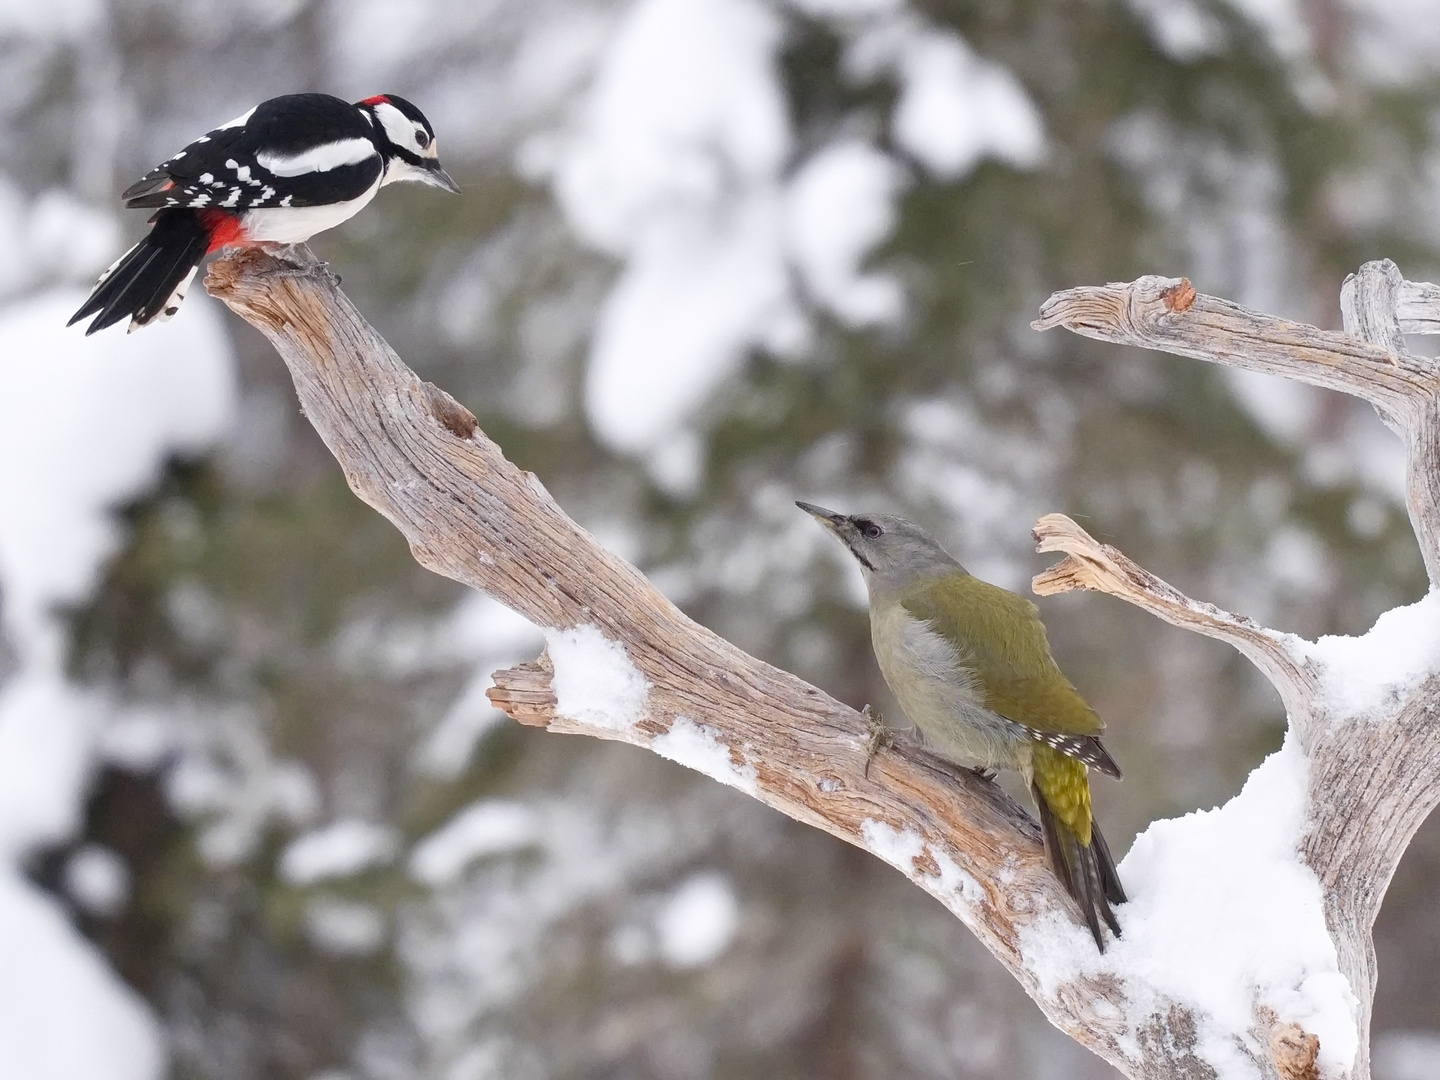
(1168,315)
(1369,302)
(1097,566)
(419,458)
(1418,307)
(1374,777)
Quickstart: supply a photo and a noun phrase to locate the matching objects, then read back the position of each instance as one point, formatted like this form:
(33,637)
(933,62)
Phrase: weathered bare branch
(1417,307)
(1153,313)
(1369,362)
(1374,774)
(419,458)
(1369,307)
(1101,568)
(1379,306)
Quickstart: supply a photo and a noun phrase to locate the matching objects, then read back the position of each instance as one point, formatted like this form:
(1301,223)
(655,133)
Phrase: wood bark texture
(1375,776)
(418,457)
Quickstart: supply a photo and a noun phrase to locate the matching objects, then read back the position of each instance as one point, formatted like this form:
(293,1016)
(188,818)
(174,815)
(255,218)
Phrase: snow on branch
(1364,712)
(624,663)
(1246,948)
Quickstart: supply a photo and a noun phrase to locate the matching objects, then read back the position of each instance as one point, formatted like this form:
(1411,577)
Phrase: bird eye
(422,139)
(870,529)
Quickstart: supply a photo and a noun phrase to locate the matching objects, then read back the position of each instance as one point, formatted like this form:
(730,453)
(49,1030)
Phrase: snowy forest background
(256,817)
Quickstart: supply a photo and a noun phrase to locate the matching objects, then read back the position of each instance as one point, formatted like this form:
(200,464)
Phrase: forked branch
(1372,753)
(419,458)
(1101,568)
(1369,361)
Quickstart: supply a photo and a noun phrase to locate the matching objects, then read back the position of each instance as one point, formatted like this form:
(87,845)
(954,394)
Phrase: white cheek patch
(399,128)
(318,158)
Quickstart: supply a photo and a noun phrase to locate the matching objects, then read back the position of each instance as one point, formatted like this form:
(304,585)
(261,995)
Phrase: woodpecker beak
(841,527)
(435,176)
(831,520)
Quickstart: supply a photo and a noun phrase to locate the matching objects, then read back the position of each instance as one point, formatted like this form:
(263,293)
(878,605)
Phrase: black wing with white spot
(1085,748)
(297,150)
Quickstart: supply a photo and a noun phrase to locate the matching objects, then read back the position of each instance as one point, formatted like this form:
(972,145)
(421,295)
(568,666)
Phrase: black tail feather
(1109,877)
(1088,873)
(143,279)
(1049,826)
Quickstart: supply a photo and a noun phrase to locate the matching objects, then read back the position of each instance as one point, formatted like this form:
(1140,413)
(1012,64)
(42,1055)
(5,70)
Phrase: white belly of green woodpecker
(939,696)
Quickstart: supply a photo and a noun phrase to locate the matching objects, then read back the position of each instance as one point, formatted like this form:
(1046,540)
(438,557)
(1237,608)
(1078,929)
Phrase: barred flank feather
(149,280)
(1086,748)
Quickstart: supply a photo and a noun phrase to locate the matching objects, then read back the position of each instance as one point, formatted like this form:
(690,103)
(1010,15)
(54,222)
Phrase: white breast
(939,695)
(293,224)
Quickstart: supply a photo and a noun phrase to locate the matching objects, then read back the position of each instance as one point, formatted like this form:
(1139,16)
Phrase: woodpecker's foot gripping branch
(881,737)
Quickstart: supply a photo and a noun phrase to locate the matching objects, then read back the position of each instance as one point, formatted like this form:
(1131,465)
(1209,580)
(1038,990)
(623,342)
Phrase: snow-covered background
(256,816)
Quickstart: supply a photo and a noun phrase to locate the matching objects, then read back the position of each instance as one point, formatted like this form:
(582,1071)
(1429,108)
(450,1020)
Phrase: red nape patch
(224,229)
(378,99)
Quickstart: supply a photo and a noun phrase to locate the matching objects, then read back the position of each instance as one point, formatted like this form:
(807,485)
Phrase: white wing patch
(111,268)
(323,158)
(239,121)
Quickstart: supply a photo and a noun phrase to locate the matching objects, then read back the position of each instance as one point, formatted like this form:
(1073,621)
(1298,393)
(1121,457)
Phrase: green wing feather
(1001,637)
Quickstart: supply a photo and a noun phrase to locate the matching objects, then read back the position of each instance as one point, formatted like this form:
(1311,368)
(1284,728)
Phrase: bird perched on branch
(289,168)
(971,666)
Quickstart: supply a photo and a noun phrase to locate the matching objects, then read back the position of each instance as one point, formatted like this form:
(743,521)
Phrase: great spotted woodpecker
(280,173)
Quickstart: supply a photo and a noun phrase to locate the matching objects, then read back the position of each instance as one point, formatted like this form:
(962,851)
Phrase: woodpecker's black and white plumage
(289,168)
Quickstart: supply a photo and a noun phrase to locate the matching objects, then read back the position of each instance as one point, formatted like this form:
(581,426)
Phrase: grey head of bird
(892,552)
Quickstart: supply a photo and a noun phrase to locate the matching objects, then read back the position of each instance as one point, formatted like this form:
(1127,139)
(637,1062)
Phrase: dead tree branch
(1101,568)
(1369,361)
(1374,761)
(418,457)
